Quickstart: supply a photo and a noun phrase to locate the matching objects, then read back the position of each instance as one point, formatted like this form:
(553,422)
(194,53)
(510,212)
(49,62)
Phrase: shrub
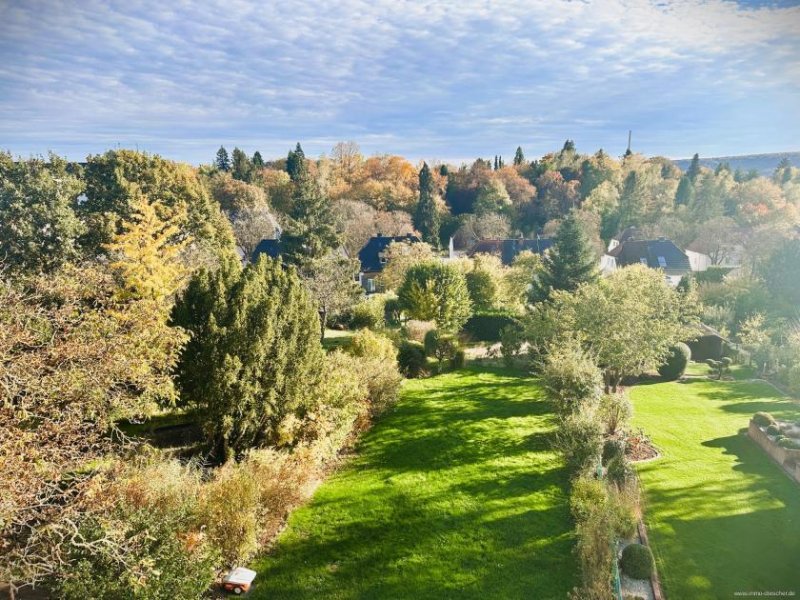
(411,359)
(637,561)
(416,330)
(580,439)
(618,469)
(392,310)
(587,495)
(611,449)
(763,419)
(441,346)
(368,344)
(624,501)
(773,430)
(482,289)
(789,443)
(676,363)
(570,376)
(383,380)
(511,340)
(595,530)
(488,326)
(459,359)
(614,410)
(370,312)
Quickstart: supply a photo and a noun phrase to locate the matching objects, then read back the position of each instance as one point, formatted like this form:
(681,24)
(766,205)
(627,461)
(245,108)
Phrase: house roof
(270,247)
(370,255)
(508,249)
(656,254)
(627,234)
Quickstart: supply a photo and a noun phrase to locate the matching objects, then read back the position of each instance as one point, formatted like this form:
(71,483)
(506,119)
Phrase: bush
(383,380)
(676,363)
(614,410)
(368,344)
(488,326)
(511,340)
(441,346)
(763,419)
(411,359)
(773,430)
(789,443)
(611,449)
(416,330)
(392,310)
(482,289)
(580,439)
(571,377)
(618,469)
(370,313)
(587,495)
(637,561)
(459,359)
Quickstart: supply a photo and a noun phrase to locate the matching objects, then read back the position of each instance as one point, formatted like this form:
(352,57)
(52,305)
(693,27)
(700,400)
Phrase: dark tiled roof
(627,234)
(370,255)
(508,249)
(656,254)
(271,248)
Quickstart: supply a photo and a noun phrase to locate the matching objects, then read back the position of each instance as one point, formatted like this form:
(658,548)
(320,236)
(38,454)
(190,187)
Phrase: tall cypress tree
(694,168)
(569,263)
(296,163)
(222,162)
(254,354)
(685,192)
(519,157)
(426,216)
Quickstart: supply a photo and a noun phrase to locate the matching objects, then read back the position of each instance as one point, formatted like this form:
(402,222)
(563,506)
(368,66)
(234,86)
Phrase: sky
(429,79)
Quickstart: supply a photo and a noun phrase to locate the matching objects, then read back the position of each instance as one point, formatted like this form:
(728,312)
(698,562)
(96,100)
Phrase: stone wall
(783,456)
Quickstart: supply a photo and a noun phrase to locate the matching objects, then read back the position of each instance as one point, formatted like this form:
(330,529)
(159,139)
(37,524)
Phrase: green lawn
(738,372)
(336,338)
(723,518)
(455,494)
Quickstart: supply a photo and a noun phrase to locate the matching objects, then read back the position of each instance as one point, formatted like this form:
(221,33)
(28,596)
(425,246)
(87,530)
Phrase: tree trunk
(323,323)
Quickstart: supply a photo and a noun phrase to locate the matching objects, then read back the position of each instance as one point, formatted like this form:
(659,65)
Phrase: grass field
(723,518)
(455,494)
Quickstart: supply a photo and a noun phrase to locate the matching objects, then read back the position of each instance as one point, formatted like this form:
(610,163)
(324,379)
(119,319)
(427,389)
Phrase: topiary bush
(676,363)
(763,419)
(487,326)
(773,430)
(411,359)
(637,561)
(789,443)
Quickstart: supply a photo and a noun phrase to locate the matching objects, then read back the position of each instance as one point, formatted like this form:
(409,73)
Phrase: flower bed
(777,438)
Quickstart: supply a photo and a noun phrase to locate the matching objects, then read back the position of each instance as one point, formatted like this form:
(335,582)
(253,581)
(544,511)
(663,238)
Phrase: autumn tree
(400,257)
(437,292)
(39,228)
(254,356)
(251,225)
(331,280)
(426,215)
(568,264)
(492,198)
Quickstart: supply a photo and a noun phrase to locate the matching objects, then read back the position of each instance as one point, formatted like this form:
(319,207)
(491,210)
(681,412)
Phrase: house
(372,258)
(626,235)
(657,254)
(508,249)
(709,343)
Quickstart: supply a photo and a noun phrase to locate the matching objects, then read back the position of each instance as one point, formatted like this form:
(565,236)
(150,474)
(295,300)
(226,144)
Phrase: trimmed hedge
(637,561)
(676,363)
(486,326)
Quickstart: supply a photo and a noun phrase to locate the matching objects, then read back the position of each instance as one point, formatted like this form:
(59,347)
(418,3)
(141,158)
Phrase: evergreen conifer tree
(685,192)
(258,161)
(426,216)
(694,168)
(223,162)
(312,231)
(254,355)
(570,262)
(296,163)
(519,157)
(240,165)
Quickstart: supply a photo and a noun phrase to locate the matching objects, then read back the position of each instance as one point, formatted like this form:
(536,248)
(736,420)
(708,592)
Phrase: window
(370,285)
(662,262)
(643,261)
(382,259)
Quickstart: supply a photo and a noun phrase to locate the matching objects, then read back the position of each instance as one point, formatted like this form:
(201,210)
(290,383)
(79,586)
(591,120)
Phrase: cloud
(471,77)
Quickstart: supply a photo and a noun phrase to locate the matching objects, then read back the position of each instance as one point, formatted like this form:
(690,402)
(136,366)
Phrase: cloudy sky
(427,79)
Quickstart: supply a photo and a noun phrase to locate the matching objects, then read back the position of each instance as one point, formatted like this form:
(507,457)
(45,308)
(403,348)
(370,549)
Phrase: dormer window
(643,261)
(382,259)
(662,262)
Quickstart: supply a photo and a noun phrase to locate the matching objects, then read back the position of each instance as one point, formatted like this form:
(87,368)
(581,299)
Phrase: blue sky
(427,79)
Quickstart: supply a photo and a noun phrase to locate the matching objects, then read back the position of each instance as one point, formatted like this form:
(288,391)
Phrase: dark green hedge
(486,326)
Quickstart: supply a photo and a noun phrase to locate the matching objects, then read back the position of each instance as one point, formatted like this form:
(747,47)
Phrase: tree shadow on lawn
(721,536)
(440,503)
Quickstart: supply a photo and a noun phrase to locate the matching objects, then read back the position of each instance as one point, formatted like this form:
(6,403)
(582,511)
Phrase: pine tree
(241,167)
(254,355)
(258,161)
(685,192)
(519,157)
(502,164)
(569,263)
(223,163)
(426,216)
(496,164)
(694,168)
(312,230)
(296,163)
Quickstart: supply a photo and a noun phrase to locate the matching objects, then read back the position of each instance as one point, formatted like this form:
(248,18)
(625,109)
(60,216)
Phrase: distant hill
(763,163)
